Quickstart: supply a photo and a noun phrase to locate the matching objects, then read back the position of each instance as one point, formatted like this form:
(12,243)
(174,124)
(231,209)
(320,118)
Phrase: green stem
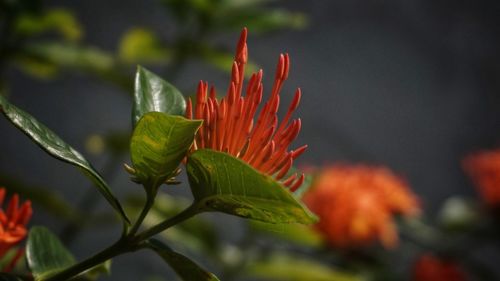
(180,217)
(126,244)
(147,206)
(120,247)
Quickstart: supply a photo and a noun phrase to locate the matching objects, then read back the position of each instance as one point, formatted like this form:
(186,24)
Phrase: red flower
(356,204)
(431,268)
(484,169)
(229,124)
(13,223)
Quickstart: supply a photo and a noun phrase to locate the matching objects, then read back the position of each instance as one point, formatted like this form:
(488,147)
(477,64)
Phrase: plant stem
(147,206)
(126,244)
(180,217)
(120,247)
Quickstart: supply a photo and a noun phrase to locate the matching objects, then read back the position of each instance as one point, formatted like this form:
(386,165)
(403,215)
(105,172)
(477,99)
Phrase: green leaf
(220,182)
(158,145)
(140,45)
(152,93)
(71,56)
(259,20)
(59,20)
(56,147)
(293,268)
(184,267)
(295,233)
(46,255)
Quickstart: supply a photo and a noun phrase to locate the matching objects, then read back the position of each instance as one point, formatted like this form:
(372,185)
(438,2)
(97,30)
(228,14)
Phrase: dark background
(413,85)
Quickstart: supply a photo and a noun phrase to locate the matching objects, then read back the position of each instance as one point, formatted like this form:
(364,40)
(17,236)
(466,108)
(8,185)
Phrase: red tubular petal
(213,95)
(13,206)
(296,100)
(2,195)
(289,180)
(286,67)
(25,213)
(285,168)
(298,183)
(235,74)
(297,152)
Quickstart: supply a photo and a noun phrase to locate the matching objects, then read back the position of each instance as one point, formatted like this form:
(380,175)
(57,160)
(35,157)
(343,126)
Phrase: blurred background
(410,85)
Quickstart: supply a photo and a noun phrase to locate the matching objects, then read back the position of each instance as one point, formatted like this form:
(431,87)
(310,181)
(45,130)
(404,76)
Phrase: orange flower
(431,268)
(356,204)
(484,169)
(13,223)
(229,124)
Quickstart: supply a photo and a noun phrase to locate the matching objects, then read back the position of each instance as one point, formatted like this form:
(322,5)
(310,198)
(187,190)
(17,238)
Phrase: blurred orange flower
(356,204)
(431,268)
(13,223)
(484,169)
(229,125)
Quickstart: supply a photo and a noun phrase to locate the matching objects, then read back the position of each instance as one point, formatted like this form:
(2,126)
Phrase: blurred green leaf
(43,197)
(36,67)
(56,147)
(56,19)
(46,255)
(259,20)
(71,56)
(140,45)
(184,267)
(281,267)
(295,233)
(194,234)
(220,182)
(158,145)
(151,93)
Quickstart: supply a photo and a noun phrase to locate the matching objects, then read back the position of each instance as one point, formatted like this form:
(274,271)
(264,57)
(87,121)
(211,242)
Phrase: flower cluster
(484,169)
(229,124)
(356,204)
(13,221)
(431,268)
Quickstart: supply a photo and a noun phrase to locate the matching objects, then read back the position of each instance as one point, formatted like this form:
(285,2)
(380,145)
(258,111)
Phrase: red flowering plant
(13,229)
(237,162)
(356,205)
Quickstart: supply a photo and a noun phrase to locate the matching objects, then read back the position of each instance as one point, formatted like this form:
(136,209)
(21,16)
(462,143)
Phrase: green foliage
(68,55)
(220,182)
(295,233)
(158,145)
(184,267)
(291,268)
(151,93)
(141,45)
(59,20)
(46,255)
(56,147)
